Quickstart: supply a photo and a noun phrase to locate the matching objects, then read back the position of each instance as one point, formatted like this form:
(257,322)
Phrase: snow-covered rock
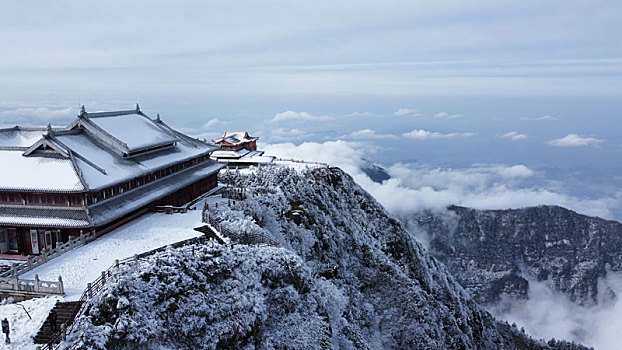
(494,252)
(345,276)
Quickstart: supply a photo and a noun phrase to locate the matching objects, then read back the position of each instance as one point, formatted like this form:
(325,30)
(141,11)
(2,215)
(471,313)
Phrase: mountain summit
(345,276)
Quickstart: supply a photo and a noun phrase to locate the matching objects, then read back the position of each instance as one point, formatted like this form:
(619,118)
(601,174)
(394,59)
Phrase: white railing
(15,285)
(95,287)
(38,260)
(324,165)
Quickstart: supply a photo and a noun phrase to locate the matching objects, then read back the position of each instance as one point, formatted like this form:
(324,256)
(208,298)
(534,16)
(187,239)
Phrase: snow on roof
(118,169)
(235,137)
(37,173)
(136,131)
(43,216)
(230,154)
(94,139)
(47,222)
(20,137)
(254,159)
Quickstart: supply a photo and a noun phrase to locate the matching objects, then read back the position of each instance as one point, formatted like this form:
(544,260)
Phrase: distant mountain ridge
(490,251)
(374,171)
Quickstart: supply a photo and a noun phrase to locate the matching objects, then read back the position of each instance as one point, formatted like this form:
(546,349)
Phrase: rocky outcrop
(345,276)
(496,252)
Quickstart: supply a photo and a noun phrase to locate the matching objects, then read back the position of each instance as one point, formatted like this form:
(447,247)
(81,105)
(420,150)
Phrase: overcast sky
(122,50)
(441,83)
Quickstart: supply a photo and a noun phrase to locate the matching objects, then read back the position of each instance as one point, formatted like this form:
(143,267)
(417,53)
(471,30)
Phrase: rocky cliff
(345,276)
(496,252)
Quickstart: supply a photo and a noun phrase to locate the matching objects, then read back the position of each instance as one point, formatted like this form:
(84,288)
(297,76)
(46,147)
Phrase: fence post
(89,291)
(14,269)
(63,331)
(61,286)
(37,283)
(136,260)
(82,238)
(116,262)
(103,276)
(16,285)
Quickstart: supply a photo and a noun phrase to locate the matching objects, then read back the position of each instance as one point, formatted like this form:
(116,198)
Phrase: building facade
(102,170)
(239,149)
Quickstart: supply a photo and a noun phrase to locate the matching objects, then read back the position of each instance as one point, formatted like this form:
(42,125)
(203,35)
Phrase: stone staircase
(65,314)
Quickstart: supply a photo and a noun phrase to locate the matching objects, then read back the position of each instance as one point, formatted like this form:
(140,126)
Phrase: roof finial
(82,110)
(137,107)
(50,131)
(158,118)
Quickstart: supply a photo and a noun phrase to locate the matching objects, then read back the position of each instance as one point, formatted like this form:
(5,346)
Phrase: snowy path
(84,264)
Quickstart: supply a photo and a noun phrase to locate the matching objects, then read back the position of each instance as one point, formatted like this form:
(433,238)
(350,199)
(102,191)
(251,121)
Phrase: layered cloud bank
(414,186)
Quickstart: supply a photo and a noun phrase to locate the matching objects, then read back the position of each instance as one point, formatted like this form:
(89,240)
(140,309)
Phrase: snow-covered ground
(84,264)
(22,327)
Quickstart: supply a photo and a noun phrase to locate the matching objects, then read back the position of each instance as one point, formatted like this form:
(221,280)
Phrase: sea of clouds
(415,186)
(547,314)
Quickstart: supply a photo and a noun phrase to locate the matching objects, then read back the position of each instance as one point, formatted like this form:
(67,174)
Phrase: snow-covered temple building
(240,149)
(99,172)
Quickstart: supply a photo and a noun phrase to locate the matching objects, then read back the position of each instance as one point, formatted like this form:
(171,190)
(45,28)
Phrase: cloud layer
(406,112)
(420,134)
(299,116)
(514,136)
(415,187)
(548,313)
(37,115)
(574,140)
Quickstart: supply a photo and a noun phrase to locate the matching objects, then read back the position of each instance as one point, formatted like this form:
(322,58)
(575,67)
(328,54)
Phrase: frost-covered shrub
(346,276)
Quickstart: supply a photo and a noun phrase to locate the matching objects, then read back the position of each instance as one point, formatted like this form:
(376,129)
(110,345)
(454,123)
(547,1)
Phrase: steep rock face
(492,251)
(375,172)
(346,275)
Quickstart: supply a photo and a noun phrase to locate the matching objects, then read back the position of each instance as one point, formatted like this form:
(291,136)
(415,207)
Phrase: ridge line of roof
(82,121)
(78,171)
(44,140)
(110,114)
(70,151)
(182,137)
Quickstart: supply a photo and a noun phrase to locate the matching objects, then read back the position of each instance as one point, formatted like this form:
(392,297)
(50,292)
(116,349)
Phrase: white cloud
(284,134)
(539,119)
(347,155)
(547,314)
(406,111)
(213,122)
(370,134)
(446,115)
(421,134)
(414,187)
(297,116)
(514,136)
(37,115)
(574,140)
(358,114)
(514,171)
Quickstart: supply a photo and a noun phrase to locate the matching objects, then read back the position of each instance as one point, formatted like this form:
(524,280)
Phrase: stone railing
(36,287)
(300,161)
(95,287)
(38,260)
